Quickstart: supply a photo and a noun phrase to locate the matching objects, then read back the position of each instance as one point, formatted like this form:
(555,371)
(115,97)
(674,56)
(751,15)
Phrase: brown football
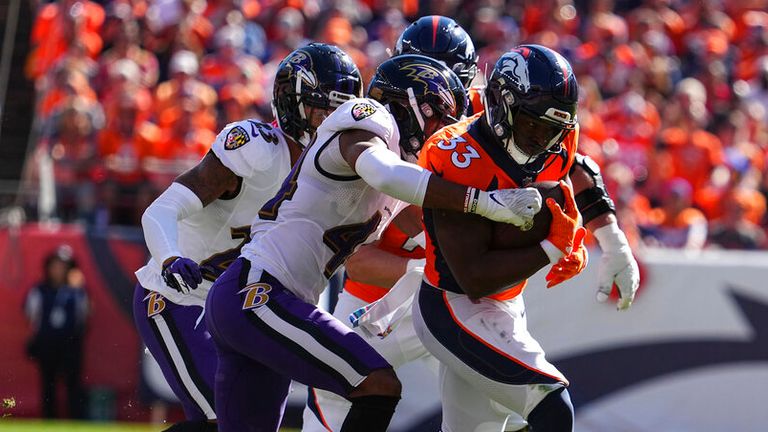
(508,236)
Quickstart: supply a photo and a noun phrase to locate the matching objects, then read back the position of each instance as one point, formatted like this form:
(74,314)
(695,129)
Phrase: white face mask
(517,154)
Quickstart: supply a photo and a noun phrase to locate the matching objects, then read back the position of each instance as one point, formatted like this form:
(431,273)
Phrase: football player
(196,228)
(374,268)
(469,313)
(262,311)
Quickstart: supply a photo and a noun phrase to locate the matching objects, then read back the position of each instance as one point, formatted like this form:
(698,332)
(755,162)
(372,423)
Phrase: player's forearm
(604,219)
(160,220)
(491,272)
(373,266)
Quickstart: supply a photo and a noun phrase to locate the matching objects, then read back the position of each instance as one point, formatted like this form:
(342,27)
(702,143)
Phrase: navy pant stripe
(468,348)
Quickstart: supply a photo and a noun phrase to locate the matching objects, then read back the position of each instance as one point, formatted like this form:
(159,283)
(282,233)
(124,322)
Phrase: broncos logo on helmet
(421,93)
(515,65)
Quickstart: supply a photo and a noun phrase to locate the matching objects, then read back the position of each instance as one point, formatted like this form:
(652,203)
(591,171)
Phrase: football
(508,236)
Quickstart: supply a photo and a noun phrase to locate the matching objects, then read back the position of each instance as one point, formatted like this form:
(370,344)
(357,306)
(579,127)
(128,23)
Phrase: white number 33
(463,159)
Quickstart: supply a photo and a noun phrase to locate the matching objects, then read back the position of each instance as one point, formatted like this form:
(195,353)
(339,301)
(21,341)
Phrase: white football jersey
(257,153)
(324,210)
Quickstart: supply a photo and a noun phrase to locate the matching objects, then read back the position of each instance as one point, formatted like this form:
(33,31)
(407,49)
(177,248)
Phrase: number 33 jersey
(324,210)
(257,153)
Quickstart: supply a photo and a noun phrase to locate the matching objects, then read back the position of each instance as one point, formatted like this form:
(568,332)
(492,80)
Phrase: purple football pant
(265,336)
(182,347)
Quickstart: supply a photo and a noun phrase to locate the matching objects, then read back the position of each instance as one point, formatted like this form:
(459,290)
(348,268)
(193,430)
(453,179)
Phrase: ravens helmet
(442,39)
(531,102)
(317,75)
(422,94)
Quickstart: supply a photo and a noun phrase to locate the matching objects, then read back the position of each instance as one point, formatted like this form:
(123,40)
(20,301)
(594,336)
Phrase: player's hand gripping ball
(508,236)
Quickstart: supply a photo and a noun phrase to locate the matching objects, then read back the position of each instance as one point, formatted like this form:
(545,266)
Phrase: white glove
(618,265)
(513,206)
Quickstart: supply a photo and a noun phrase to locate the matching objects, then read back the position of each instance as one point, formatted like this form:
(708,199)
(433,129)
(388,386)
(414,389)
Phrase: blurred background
(103,103)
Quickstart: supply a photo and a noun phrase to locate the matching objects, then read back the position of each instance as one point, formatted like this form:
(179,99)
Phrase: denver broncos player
(196,228)
(261,312)
(469,313)
(617,264)
(373,269)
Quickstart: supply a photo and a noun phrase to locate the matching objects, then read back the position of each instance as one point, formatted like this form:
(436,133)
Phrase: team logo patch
(515,66)
(256,295)
(237,137)
(155,304)
(362,110)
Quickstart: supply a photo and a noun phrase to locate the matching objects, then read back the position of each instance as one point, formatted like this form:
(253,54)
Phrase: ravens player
(196,228)
(374,268)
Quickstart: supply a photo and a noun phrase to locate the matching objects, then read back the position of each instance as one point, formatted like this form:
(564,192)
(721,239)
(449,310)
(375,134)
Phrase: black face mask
(534,136)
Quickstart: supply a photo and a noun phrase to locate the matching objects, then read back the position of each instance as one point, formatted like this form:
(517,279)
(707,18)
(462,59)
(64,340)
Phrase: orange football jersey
(475,96)
(394,241)
(467,153)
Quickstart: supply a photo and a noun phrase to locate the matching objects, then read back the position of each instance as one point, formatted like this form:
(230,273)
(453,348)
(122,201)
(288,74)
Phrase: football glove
(513,206)
(181,274)
(617,265)
(571,264)
(565,221)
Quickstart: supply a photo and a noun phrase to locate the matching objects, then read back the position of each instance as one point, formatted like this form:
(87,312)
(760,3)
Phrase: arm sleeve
(160,220)
(387,173)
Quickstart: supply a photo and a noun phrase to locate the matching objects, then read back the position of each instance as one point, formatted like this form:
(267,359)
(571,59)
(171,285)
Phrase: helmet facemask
(417,122)
(525,136)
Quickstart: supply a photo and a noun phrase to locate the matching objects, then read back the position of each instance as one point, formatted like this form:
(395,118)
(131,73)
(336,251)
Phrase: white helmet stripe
(415,107)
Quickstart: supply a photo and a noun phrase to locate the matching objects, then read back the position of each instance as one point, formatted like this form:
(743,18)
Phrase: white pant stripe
(181,367)
(309,343)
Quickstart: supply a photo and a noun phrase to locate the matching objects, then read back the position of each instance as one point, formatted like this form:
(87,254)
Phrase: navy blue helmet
(422,94)
(442,39)
(317,75)
(531,96)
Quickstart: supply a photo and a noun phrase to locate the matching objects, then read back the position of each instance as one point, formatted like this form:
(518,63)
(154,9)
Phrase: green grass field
(7,425)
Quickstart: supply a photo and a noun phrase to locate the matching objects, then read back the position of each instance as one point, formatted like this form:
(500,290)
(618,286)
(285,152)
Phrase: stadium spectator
(57,26)
(184,83)
(735,230)
(70,144)
(676,224)
(180,146)
(229,64)
(662,80)
(67,81)
(126,46)
(124,144)
(57,308)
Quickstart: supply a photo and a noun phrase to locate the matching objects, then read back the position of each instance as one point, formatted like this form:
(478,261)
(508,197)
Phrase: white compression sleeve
(160,220)
(386,172)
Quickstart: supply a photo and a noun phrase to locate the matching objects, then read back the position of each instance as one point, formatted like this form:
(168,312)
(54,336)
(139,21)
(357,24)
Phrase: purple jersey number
(343,240)
(213,266)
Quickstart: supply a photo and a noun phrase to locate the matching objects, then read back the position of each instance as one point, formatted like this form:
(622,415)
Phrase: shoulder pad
(247,146)
(365,114)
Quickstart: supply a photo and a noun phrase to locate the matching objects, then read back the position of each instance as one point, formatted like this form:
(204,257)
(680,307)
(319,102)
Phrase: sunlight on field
(66,426)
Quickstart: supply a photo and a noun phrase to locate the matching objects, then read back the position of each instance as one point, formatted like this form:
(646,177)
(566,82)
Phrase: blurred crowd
(674,94)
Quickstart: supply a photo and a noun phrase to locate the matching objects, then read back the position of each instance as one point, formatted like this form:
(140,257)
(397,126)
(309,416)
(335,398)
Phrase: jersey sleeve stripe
(325,173)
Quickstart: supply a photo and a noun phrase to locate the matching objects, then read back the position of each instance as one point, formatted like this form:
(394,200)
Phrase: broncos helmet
(317,75)
(442,39)
(422,94)
(531,102)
